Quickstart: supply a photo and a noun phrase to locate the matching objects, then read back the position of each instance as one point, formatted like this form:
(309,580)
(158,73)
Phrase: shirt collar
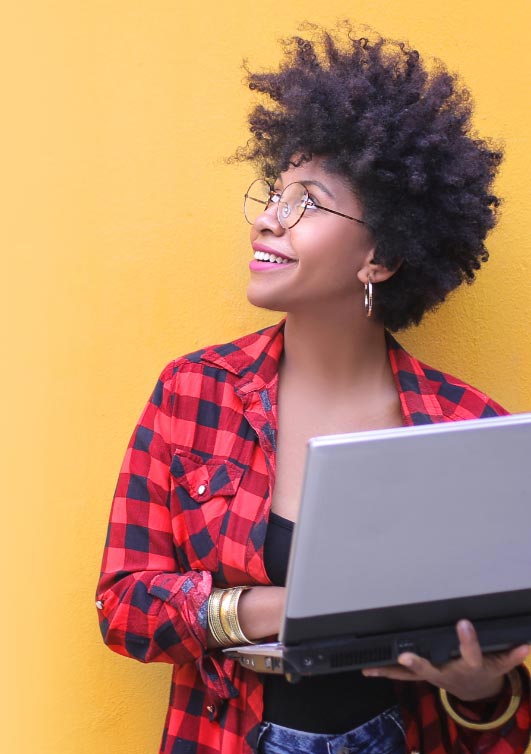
(254,360)
(417,393)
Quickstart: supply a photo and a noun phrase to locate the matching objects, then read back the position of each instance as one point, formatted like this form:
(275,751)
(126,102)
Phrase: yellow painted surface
(123,246)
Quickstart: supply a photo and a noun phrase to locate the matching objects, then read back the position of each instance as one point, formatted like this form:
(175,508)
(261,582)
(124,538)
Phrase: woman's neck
(329,351)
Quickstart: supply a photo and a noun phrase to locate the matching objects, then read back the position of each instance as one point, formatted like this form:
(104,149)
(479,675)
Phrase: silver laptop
(401,533)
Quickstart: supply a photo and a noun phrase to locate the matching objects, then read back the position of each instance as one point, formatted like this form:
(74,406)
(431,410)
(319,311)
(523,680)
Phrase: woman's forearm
(259,613)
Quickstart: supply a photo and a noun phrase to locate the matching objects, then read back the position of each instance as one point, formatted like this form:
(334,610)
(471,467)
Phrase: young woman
(373,203)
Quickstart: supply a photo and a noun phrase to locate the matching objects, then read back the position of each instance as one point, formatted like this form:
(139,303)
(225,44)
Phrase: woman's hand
(472,677)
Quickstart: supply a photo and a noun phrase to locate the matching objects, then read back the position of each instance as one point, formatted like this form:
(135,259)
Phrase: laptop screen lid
(411,527)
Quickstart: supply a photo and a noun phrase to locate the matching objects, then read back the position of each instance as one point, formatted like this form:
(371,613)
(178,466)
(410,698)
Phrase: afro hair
(400,132)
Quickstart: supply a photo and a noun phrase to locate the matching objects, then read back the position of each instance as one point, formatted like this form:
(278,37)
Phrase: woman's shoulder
(440,391)
(255,353)
(461,399)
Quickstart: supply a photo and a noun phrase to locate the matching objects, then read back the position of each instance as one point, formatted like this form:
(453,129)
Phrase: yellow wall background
(123,246)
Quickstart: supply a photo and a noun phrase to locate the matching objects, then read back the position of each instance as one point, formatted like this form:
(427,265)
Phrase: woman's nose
(268,220)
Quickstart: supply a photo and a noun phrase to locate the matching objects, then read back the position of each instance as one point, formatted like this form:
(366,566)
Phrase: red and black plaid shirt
(191,510)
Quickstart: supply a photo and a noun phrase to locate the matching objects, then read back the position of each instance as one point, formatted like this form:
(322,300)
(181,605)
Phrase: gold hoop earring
(368,297)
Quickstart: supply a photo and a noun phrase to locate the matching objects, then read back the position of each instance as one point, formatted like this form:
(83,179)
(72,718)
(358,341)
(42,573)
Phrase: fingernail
(406,660)
(371,672)
(466,627)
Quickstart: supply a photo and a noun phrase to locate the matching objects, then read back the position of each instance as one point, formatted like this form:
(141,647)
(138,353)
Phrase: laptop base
(337,655)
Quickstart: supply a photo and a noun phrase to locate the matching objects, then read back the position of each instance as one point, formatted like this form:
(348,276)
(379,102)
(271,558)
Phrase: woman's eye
(310,203)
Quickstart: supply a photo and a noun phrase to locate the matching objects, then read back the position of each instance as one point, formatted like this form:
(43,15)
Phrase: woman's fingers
(394,672)
(419,666)
(472,676)
(469,645)
(410,667)
(475,659)
(518,655)
(506,661)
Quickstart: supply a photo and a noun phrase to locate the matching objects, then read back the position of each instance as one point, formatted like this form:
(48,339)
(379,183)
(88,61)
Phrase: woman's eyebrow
(309,182)
(319,185)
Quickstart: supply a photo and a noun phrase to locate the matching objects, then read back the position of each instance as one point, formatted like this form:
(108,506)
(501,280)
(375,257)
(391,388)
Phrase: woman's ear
(377,272)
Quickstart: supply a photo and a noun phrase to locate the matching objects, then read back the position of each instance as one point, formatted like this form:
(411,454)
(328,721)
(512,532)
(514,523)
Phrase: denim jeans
(383,734)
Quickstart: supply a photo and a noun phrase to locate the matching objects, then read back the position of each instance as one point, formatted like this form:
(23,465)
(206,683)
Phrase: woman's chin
(264,300)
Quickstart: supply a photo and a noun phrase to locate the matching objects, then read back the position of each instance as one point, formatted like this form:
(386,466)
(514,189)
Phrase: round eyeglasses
(291,203)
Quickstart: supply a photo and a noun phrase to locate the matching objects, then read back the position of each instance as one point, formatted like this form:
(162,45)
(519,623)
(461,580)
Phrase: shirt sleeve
(150,608)
(512,738)
(430,730)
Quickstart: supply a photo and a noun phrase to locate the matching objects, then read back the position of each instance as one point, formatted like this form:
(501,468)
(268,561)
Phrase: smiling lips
(265,259)
(264,256)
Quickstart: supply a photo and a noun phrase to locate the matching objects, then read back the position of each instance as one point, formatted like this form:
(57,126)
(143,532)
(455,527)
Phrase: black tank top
(323,704)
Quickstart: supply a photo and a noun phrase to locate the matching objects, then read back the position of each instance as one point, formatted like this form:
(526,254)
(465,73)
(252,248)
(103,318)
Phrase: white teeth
(263,256)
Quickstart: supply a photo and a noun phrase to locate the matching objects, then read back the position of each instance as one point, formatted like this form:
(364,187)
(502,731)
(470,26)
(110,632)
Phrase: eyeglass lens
(290,204)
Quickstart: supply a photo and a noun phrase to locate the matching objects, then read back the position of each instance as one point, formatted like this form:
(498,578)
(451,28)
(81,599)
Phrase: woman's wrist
(486,713)
(258,614)
(260,611)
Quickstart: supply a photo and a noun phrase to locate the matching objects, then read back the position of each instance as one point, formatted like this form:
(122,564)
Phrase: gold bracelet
(236,631)
(516,696)
(229,615)
(214,620)
(224,614)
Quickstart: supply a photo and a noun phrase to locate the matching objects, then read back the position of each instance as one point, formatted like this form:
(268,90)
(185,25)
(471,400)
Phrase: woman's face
(325,251)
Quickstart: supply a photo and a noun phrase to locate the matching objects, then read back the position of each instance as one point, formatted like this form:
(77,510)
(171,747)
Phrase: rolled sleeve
(151,608)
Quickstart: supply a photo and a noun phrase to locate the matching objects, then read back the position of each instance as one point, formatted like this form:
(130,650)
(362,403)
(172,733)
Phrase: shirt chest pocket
(201,496)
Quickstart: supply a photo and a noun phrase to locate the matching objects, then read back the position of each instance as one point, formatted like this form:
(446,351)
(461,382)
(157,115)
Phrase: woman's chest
(299,422)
